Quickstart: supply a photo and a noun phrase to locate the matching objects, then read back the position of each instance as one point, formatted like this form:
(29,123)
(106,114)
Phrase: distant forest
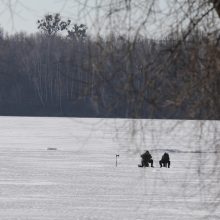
(53,74)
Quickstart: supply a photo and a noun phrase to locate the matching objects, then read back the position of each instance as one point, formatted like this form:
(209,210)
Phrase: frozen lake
(80,180)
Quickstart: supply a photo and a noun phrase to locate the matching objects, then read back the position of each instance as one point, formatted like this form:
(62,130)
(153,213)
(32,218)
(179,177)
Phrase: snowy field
(80,179)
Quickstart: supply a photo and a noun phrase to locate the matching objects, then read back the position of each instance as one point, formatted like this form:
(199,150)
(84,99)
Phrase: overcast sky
(22,15)
(27,12)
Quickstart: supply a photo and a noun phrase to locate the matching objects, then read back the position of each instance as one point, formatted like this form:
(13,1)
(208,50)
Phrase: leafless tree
(187,70)
(192,28)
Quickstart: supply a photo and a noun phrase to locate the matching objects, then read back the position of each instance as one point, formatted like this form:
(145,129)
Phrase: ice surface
(79,180)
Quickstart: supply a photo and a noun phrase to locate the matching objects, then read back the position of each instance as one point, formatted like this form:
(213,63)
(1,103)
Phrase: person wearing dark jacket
(146,159)
(165,160)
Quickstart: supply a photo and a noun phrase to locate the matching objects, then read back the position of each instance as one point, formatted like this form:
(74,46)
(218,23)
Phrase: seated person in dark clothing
(165,160)
(146,159)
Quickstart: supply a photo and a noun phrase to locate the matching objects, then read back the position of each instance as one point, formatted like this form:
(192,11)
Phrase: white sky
(27,12)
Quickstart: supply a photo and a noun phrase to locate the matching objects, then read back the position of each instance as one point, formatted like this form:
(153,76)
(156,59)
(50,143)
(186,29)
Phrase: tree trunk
(216,4)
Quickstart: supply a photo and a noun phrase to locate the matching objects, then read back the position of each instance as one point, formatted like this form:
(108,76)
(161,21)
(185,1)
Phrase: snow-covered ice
(79,180)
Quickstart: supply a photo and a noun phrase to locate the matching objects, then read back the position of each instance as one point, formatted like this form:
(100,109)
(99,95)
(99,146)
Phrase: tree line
(74,74)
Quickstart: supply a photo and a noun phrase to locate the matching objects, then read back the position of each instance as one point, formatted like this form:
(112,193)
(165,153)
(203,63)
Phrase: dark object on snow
(165,160)
(116,162)
(51,148)
(146,159)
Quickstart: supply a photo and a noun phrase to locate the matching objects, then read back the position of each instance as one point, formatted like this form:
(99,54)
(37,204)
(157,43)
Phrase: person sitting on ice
(146,159)
(165,160)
